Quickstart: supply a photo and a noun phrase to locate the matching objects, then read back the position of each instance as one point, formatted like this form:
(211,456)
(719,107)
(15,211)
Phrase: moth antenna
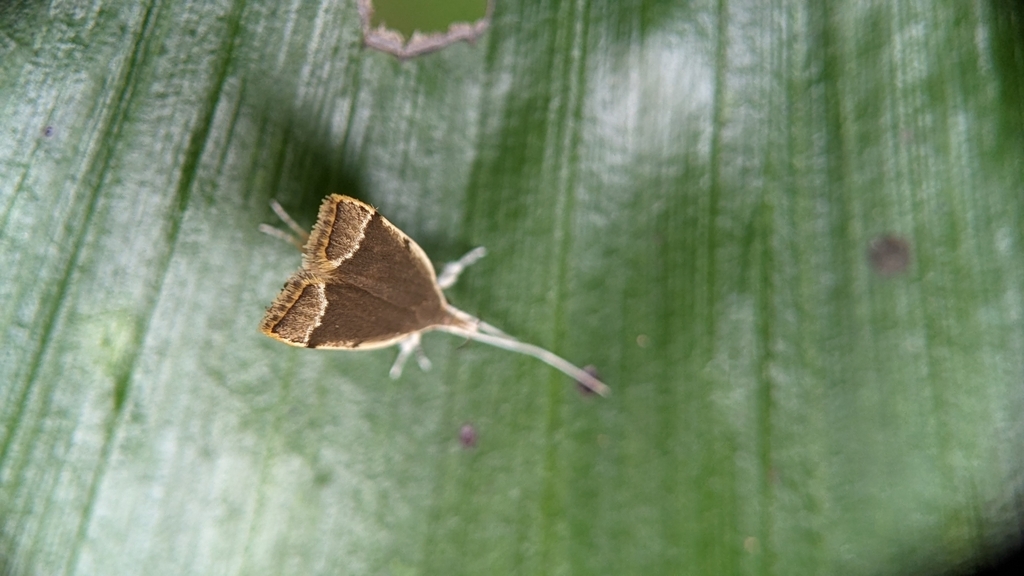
(546,356)
(492,330)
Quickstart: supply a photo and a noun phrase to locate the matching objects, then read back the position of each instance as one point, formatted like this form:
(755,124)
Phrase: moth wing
(364,284)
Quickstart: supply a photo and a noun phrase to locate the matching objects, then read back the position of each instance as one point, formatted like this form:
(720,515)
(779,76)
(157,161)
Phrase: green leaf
(685,195)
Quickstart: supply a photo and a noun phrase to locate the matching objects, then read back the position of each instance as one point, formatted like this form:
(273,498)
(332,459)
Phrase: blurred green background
(683,194)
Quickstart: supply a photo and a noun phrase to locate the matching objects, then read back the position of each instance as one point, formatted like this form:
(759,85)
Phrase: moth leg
(450,272)
(299,237)
(407,347)
(422,361)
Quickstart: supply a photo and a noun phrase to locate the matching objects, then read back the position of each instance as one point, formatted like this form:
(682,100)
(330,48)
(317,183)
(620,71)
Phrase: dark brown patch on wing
(386,267)
(355,317)
(380,293)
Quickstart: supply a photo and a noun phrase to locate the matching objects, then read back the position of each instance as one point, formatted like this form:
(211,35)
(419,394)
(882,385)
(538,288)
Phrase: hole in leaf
(408,28)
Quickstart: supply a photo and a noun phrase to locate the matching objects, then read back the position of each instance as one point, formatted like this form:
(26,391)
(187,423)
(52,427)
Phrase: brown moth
(364,284)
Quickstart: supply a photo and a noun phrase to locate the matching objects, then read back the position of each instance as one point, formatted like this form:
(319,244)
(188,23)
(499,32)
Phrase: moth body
(364,284)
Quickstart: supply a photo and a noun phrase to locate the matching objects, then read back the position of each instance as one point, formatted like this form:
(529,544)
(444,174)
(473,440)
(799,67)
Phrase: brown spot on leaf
(394,42)
(889,255)
(581,387)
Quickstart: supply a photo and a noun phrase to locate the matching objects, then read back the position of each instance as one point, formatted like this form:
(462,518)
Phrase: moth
(364,285)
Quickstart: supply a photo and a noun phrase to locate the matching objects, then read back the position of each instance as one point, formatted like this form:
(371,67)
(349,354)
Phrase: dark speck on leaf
(889,255)
(467,436)
(592,370)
